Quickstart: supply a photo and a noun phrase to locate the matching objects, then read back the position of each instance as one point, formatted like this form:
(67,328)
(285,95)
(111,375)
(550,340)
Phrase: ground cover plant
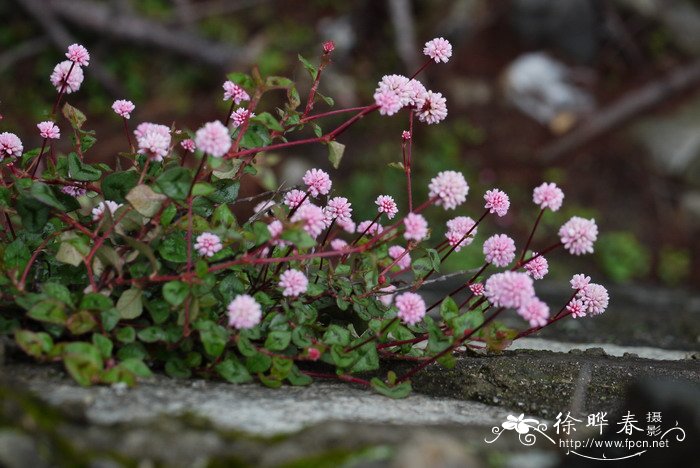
(116,271)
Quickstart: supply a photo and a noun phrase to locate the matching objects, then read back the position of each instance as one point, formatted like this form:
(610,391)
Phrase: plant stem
(532,233)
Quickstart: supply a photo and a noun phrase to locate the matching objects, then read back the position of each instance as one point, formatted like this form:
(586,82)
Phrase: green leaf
(95,301)
(81,322)
(73,249)
(232,370)
(104,344)
(110,319)
(126,334)
(175,292)
(152,335)
(16,255)
(401,390)
(336,335)
(309,68)
(295,377)
(368,359)
(300,238)
(168,214)
(174,247)
(175,182)
(225,191)
(57,291)
(34,344)
(278,340)
(266,119)
(83,362)
(145,201)
(278,82)
(335,153)
(77,170)
(241,79)
(434,257)
(214,338)
(136,366)
(45,195)
(177,368)
(421,266)
(342,270)
(449,309)
(49,311)
(74,116)
(33,213)
(258,362)
(202,188)
(130,304)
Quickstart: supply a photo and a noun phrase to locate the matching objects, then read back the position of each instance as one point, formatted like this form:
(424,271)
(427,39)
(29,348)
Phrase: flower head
(73,190)
(548,195)
(450,188)
(188,145)
(338,208)
(153,140)
(347,225)
(208,244)
(314,222)
(239,117)
(10,145)
(318,182)
(438,49)
(338,244)
(234,92)
(417,94)
(371,228)
(389,102)
(78,54)
(244,312)
(213,139)
(499,250)
(497,201)
(578,235)
(411,308)
(416,227)
(477,289)
(386,204)
(123,108)
(49,129)
(577,308)
(295,198)
(293,283)
(535,312)
(276,228)
(457,229)
(537,267)
(433,108)
(509,289)
(328,47)
(61,79)
(405,135)
(387,297)
(396,251)
(580,281)
(99,210)
(595,298)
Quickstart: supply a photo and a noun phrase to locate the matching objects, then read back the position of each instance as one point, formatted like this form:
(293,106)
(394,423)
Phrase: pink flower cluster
(234,92)
(208,244)
(591,299)
(99,210)
(295,198)
(244,312)
(48,129)
(312,217)
(395,92)
(61,79)
(396,251)
(293,283)
(535,312)
(477,289)
(318,182)
(438,49)
(369,228)
(78,54)
(538,267)
(386,297)
(386,204)
(416,227)
(450,188)
(123,108)
(434,108)
(499,250)
(153,140)
(188,145)
(578,235)
(457,229)
(213,139)
(339,209)
(411,308)
(73,191)
(239,117)
(509,289)
(10,145)
(548,195)
(497,202)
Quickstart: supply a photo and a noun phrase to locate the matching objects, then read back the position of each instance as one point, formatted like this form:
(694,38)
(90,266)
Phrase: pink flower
(123,108)
(577,308)
(318,182)
(244,312)
(293,283)
(548,195)
(372,228)
(457,228)
(405,135)
(509,289)
(389,103)
(48,129)
(338,208)
(208,244)
(477,289)
(398,85)
(78,54)
(386,205)
(578,235)
(580,281)
(153,140)
(411,308)
(235,92)
(10,145)
(450,188)
(499,250)
(295,197)
(73,81)
(99,210)
(386,298)
(73,190)
(213,139)
(314,222)
(239,117)
(595,298)
(497,202)
(276,228)
(328,47)
(433,109)
(338,244)
(416,93)
(314,354)
(416,227)
(347,225)
(535,312)
(538,267)
(188,145)
(395,251)
(438,49)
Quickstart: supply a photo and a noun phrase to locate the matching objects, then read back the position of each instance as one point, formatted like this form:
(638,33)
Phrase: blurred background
(598,96)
